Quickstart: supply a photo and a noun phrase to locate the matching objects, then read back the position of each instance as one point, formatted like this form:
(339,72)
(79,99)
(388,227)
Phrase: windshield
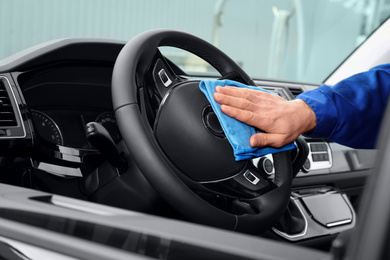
(286,40)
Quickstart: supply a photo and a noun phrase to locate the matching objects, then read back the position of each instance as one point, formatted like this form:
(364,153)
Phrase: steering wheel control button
(266,165)
(164,78)
(251,177)
(252,181)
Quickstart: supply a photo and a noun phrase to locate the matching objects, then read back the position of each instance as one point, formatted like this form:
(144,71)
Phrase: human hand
(281,120)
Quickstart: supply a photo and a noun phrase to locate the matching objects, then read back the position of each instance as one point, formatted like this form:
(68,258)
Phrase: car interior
(113,143)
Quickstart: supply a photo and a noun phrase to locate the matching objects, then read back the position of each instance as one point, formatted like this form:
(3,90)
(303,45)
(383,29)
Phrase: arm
(351,111)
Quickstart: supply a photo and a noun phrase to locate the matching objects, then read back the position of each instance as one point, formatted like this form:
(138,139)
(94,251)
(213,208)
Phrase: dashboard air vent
(7,113)
(295,91)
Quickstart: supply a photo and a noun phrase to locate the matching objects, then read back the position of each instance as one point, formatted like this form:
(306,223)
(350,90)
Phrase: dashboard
(58,89)
(66,84)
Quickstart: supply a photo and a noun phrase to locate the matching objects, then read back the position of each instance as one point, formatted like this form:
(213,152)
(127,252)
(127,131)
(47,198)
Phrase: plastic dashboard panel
(139,235)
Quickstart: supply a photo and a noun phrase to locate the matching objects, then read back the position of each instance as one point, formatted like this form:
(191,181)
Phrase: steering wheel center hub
(189,132)
(211,122)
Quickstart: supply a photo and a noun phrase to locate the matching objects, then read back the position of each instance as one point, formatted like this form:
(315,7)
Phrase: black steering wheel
(176,141)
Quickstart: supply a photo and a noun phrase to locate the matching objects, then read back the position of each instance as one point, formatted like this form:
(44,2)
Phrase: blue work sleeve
(350,112)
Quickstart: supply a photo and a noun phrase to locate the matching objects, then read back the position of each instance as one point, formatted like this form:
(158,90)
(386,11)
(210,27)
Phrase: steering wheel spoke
(249,183)
(163,74)
(154,84)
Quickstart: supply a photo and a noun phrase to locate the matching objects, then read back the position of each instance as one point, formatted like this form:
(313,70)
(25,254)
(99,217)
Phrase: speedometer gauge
(46,127)
(108,120)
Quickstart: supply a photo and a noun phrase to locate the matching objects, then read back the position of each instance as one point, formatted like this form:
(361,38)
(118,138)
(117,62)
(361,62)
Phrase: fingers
(245,98)
(239,97)
(246,116)
(246,105)
(238,100)
(233,101)
(282,121)
(232,91)
(266,139)
(240,104)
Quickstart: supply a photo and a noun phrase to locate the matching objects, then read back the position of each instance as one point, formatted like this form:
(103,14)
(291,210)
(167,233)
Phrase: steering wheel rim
(135,60)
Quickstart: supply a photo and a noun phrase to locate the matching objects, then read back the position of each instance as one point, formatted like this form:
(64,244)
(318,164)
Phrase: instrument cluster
(68,127)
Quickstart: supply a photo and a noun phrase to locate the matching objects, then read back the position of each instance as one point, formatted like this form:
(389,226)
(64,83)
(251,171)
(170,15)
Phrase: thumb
(266,139)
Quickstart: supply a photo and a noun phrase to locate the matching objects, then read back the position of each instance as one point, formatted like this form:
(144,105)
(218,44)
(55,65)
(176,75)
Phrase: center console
(314,213)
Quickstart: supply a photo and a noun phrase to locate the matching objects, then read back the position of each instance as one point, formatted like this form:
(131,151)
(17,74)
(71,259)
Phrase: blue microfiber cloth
(238,133)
